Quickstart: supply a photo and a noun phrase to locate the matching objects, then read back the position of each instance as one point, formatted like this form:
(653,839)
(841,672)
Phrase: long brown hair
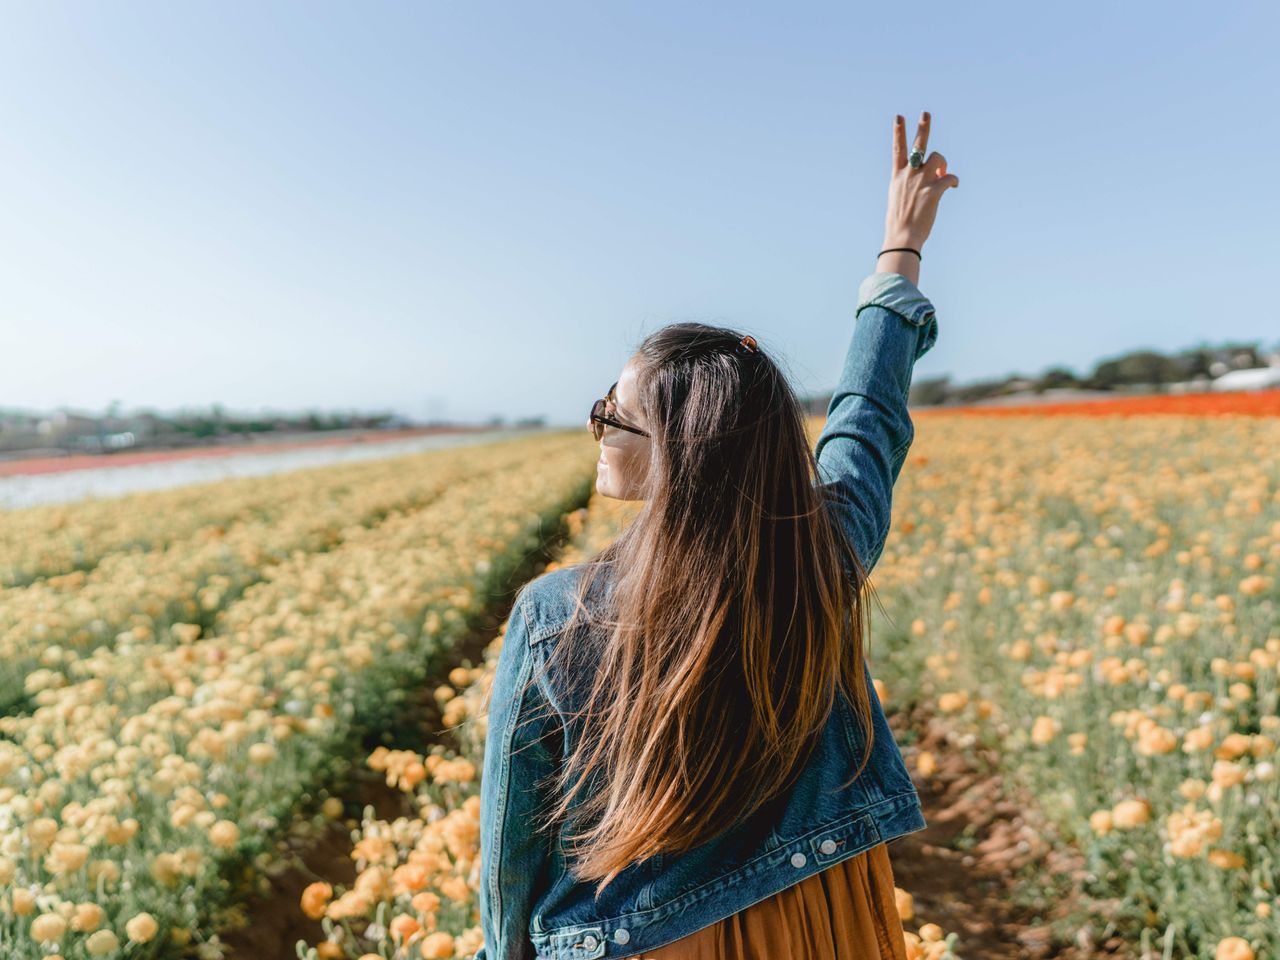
(730,621)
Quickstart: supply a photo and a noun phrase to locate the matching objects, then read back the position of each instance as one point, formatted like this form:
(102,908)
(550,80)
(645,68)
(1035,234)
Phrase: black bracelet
(894,249)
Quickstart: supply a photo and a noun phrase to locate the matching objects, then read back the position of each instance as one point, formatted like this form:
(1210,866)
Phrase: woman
(685,758)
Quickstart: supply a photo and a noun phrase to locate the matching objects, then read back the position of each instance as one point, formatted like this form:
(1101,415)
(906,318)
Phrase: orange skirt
(846,912)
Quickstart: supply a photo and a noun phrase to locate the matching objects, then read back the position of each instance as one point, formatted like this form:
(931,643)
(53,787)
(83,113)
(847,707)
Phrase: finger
(935,164)
(899,142)
(922,133)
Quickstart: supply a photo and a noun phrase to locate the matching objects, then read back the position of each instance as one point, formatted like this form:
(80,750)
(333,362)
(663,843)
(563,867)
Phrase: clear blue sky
(476,209)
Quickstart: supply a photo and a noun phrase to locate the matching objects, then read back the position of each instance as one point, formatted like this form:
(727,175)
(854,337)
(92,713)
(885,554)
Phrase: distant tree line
(1138,369)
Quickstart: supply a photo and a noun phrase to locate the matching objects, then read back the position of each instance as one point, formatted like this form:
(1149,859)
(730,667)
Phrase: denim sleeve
(514,857)
(864,442)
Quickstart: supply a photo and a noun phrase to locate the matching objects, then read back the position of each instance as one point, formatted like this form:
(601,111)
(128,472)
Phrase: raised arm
(868,432)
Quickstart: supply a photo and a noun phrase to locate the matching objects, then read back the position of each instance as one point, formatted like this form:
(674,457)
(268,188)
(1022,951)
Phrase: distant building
(1256,378)
(62,422)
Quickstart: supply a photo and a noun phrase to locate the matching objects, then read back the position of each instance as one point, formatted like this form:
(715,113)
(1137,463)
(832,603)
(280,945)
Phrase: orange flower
(315,898)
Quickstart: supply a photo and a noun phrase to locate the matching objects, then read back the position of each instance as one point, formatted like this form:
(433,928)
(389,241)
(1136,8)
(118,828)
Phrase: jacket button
(622,935)
(798,859)
(828,846)
(590,942)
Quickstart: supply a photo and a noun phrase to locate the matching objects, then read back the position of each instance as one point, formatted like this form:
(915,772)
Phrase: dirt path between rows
(962,870)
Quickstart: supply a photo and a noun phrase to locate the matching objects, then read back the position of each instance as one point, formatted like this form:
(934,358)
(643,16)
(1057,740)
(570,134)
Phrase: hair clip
(746,346)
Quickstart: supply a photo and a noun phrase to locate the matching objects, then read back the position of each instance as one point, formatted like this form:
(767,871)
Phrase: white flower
(210,950)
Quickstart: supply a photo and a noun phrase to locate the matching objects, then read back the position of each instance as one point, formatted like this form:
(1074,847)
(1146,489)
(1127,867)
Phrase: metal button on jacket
(828,846)
(798,859)
(622,935)
(589,942)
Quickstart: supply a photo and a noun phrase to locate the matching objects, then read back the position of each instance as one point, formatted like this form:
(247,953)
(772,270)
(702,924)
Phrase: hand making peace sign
(914,192)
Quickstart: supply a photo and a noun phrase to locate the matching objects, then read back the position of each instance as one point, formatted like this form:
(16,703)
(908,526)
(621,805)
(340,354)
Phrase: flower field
(188,674)
(1098,604)
(148,582)
(152,773)
(1097,599)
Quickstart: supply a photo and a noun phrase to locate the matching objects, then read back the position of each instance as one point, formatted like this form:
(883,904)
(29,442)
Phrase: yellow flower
(262,754)
(1252,586)
(455,888)
(101,943)
(353,903)
(404,928)
(1061,600)
(1201,738)
(1233,948)
(48,928)
(1044,730)
(142,928)
(1233,745)
(931,933)
(64,858)
(24,902)
(87,917)
(1226,859)
(953,701)
(1227,774)
(436,946)
(425,902)
(1130,813)
(905,902)
(41,832)
(166,868)
(224,834)
(1155,740)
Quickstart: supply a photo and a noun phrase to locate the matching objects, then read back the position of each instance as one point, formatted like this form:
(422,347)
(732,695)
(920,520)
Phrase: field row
(55,539)
(132,796)
(1237,403)
(176,591)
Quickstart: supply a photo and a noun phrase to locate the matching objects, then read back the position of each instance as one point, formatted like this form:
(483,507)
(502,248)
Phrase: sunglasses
(602,416)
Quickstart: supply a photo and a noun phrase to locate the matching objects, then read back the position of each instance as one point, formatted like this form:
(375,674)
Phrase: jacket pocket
(647,896)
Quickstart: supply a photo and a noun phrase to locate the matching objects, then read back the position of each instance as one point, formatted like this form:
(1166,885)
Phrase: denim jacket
(529,906)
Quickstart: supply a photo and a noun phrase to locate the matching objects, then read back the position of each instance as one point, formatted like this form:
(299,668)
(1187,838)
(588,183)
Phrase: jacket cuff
(895,292)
